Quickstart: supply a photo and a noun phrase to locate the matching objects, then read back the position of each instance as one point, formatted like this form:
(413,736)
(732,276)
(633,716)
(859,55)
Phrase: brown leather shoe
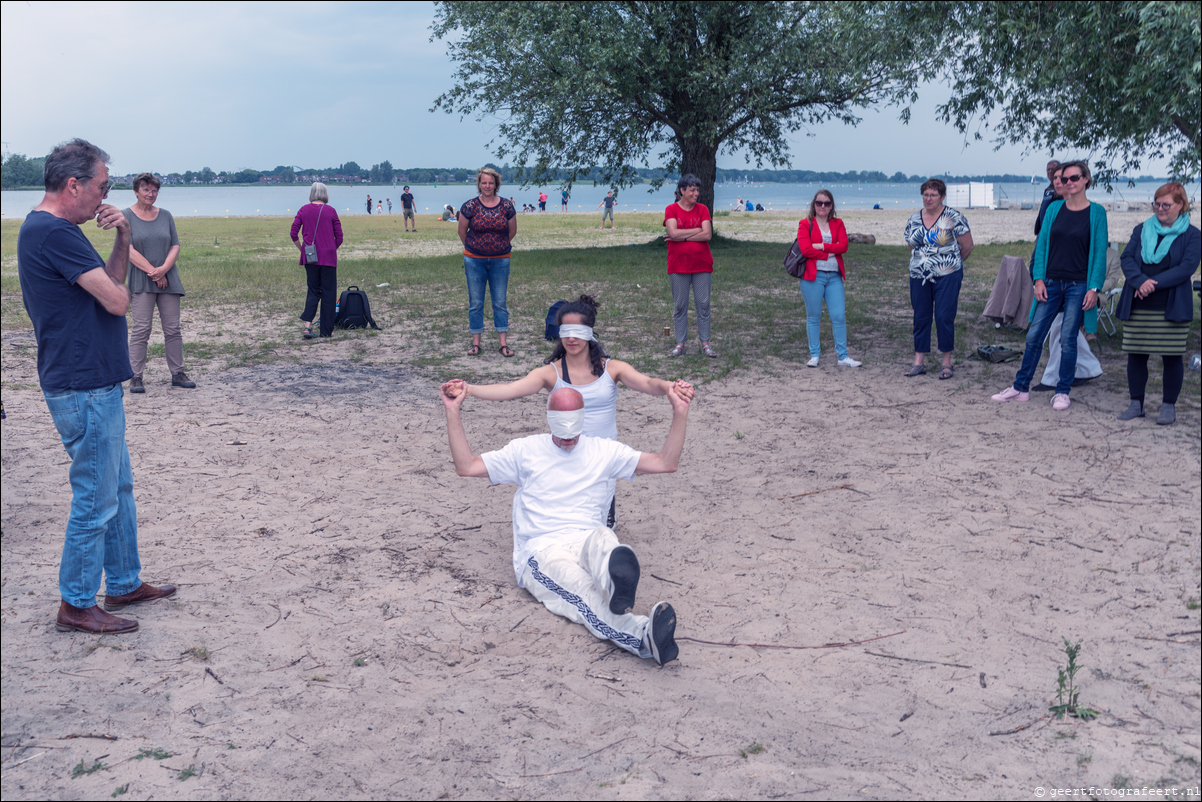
(144,593)
(92,620)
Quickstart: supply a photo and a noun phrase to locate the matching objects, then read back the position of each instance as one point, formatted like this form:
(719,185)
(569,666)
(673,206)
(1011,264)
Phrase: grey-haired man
(77,302)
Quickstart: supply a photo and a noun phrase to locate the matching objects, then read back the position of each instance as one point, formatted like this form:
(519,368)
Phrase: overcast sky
(171,87)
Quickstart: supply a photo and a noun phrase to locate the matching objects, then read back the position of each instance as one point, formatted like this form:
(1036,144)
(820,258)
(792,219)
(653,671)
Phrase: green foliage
(595,87)
(18,171)
(154,754)
(1066,689)
(1116,81)
(82,768)
(121,789)
(187,773)
(382,173)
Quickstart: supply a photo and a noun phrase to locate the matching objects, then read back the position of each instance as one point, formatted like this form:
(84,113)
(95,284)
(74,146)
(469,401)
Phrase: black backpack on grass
(551,331)
(354,312)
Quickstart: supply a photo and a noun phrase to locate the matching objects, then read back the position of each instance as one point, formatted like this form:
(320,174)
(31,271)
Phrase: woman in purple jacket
(323,229)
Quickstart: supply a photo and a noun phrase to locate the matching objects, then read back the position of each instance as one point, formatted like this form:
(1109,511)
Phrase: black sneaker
(624,571)
(181,380)
(662,635)
(135,385)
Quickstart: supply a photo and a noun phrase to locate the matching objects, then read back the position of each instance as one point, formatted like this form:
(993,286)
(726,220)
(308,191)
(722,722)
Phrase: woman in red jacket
(823,241)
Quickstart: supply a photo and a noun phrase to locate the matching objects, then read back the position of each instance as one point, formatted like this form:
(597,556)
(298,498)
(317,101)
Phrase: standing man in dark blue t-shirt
(77,302)
(409,209)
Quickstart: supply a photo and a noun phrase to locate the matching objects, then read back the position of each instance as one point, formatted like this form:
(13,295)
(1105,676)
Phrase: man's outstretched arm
(466,463)
(669,456)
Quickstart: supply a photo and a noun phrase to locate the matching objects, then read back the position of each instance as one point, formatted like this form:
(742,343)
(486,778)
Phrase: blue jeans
(939,299)
(1063,296)
(102,532)
(826,286)
(495,274)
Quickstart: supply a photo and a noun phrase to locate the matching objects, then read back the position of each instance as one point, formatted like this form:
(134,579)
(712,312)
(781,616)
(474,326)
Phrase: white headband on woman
(566,425)
(580,332)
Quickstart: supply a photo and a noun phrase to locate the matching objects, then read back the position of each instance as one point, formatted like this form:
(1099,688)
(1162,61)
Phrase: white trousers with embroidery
(573,581)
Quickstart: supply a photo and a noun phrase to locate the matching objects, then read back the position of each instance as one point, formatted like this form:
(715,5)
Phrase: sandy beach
(348,625)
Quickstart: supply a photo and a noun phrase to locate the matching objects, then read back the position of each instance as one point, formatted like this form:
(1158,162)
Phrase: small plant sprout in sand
(197,652)
(754,749)
(1067,690)
(82,768)
(187,773)
(154,754)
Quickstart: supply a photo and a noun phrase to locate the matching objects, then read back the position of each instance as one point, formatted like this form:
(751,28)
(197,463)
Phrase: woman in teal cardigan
(1070,268)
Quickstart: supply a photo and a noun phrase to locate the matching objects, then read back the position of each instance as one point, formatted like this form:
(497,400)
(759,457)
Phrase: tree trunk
(701,160)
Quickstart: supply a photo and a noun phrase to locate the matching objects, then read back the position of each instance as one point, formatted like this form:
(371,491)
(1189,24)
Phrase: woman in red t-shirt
(690,263)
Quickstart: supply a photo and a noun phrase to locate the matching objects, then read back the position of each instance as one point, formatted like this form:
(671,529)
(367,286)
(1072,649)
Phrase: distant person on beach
(77,303)
(940,240)
(487,225)
(823,241)
(578,353)
(389,206)
(154,281)
(409,209)
(564,197)
(369,204)
(608,203)
(1157,305)
(563,555)
(448,214)
(690,263)
(317,222)
(380,207)
(1070,269)
(542,201)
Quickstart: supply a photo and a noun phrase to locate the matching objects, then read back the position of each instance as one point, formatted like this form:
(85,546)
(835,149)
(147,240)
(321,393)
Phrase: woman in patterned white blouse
(940,241)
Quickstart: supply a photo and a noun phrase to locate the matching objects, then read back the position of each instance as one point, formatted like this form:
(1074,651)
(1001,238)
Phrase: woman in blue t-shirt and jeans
(487,224)
(1069,270)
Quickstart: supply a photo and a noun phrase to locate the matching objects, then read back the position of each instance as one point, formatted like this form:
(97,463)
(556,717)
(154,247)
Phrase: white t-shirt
(562,495)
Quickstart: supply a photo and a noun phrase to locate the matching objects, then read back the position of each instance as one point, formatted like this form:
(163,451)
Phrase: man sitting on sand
(562,552)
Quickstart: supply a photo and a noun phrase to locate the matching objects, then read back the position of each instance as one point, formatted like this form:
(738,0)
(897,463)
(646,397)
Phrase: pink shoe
(1010,394)
(1060,402)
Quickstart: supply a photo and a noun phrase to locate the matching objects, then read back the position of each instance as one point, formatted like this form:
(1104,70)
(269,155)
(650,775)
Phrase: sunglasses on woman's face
(1072,179)
(822,203)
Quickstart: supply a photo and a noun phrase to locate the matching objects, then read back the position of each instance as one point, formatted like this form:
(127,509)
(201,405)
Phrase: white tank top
(600,402)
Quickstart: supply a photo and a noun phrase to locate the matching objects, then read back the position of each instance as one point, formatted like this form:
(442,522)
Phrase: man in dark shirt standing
(77,302)
(408,209)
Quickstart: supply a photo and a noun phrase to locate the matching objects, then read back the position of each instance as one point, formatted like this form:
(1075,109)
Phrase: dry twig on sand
(781,646)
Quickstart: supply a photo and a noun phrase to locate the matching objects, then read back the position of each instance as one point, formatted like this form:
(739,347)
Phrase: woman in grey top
(154,280)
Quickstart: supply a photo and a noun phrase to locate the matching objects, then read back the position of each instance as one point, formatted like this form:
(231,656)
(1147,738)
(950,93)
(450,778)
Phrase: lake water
(219,201)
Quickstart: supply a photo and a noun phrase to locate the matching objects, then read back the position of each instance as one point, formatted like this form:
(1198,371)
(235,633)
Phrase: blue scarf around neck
(1150,253)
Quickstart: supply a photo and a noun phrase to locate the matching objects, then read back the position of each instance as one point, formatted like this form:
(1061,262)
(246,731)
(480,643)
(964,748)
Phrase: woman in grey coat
(154,281)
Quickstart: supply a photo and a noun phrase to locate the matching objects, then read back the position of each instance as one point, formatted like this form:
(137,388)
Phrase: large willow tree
(575,86)
(1115,82)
